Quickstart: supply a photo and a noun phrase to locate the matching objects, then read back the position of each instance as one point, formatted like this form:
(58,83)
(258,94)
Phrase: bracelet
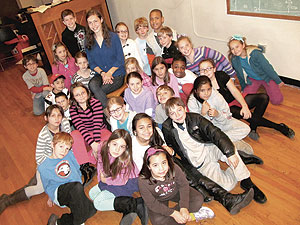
(101,72)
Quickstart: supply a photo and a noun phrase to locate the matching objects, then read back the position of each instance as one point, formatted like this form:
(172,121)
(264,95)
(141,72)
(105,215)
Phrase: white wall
(207,23)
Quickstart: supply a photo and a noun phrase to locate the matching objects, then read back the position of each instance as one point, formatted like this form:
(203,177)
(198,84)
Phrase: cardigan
(130,49)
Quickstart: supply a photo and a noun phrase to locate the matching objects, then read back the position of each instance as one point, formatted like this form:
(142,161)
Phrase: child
(253,69)
(156,22)
(74,34)
(160,75)
(61,179)
(139,98)
(130,48)
(163,93)
(162,181)
(117,177)
(62,100)
(169,50)
(191,135)
(57,82)
(37,82)
(141,28)
(211,104)
(195,55)
(84,74)
(119,117)
(63,64)
(132,65)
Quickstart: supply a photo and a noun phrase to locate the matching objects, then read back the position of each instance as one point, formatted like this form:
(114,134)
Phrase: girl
(117,176)
(129,46)
(240,108)
(160,75)
(63,63)
(139,98)
(162,181)
(105,56)
(195,55)
(211,104)
(84,74)
(249,60)
(119,117)
(87,117)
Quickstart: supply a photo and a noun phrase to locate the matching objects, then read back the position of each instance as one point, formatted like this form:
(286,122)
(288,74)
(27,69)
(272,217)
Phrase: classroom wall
(207,23)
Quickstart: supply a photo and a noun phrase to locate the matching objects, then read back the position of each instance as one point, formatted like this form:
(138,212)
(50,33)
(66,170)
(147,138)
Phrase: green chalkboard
(281,9)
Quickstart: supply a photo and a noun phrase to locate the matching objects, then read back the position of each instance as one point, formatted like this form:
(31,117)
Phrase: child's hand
(233,161)
(49,202)
(33,95)
(102,178)
(47,88)
(185,213)
(205,108)
(213,112)
(178,217)
(94,146)
(245,113)
(168,149)
(281,84)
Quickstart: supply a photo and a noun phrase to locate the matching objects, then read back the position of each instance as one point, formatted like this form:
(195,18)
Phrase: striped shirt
(221,63)
(89,122)
(43,145)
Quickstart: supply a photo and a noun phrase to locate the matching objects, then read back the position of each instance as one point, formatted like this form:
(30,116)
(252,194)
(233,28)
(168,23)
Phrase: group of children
(192,98)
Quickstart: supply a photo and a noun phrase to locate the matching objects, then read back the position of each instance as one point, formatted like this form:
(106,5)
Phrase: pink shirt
(173,84)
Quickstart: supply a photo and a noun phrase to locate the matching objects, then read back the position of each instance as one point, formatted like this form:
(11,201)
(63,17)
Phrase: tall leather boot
(7,200)
(128,206)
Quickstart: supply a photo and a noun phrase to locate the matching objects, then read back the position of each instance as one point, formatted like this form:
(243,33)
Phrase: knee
(77,188)
(264,98)
(94,83)
(277,100)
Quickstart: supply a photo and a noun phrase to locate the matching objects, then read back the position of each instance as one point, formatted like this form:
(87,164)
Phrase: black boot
(7,200)
(250,159)
(127,206)
(88,172)
(259,196)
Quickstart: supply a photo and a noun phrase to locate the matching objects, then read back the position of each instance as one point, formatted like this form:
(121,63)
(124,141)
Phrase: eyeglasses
(206,70)
(117,110)
(122,31)
(80,94)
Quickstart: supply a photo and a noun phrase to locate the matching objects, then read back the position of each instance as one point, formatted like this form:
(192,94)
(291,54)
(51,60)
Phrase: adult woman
(105,56)
(195,55)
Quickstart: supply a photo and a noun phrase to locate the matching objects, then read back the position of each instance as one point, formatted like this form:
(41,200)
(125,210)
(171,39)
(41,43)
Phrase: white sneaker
(243,146)
(204,213)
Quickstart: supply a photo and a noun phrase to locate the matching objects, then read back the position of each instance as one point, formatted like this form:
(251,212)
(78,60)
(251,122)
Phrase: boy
(62,100)
(57,82)
(169,50)
(61,180)
(74,34)
(191,135)
(156,22)
(37,82)
(141,28)
(163,93)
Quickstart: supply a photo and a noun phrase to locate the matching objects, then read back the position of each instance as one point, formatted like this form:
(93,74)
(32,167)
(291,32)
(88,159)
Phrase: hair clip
(237,37)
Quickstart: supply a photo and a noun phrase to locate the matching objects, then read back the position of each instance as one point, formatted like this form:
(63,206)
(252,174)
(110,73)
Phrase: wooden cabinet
(49,24)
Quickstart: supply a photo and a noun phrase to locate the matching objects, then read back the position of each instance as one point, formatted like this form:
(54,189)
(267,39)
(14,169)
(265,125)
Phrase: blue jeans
(39,103)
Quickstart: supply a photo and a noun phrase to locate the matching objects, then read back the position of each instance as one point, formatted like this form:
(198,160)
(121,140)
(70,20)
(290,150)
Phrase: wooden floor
(279,177)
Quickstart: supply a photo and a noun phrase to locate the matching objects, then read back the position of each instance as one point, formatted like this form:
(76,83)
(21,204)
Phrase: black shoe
(52,219)
(91,171)
(250,159)
(235,202)
(285,130)
(259,196)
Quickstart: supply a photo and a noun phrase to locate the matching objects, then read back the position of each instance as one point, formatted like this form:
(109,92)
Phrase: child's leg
(273,91)
(35,186)
(236,130)
(73,196)
(38,105)
(252,88)
(103,200)
(158,219)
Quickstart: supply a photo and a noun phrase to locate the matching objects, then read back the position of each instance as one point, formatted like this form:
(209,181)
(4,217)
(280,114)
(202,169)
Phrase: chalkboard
(279,9)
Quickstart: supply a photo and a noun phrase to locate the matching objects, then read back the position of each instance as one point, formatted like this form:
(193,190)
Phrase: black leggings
(258,102)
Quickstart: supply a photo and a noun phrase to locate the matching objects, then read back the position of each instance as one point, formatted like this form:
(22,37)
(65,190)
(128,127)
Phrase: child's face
(31,66)
(80,95)
(177,114)
(95,24)
(165,40)
(204,91)
(54,119)
(163,96)
(135,85)
(70,22)
(207,69)
(58,85)
(82,63)
(178,68)
(61,53)
(122,32)
(160,71)
(156,21)
(117,111)
(144,129)
(237,48)
(158,165)
(63,102)
(131,68)
(142,32)
(117,147)
(60,149)
(185,47)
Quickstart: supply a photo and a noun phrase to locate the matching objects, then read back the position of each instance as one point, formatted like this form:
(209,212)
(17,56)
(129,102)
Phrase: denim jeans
(39,103)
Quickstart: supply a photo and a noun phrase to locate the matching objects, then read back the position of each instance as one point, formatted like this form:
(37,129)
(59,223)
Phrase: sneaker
(204,213)
(285,130)
(243,146)
(253,135)
(52,220)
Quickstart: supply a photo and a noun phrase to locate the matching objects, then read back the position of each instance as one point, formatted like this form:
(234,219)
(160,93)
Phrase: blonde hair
(242,40)
(165,30)
(62,137)
(184,38)
(140,22)
(165,88)
(132,60)
(118,100)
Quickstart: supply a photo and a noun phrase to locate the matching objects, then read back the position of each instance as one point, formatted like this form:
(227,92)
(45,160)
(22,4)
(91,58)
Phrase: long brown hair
(124,161)
(89,36)
(72,98)
(159,60)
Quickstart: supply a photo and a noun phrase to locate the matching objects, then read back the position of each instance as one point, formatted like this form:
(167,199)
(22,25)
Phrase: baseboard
(290,81)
